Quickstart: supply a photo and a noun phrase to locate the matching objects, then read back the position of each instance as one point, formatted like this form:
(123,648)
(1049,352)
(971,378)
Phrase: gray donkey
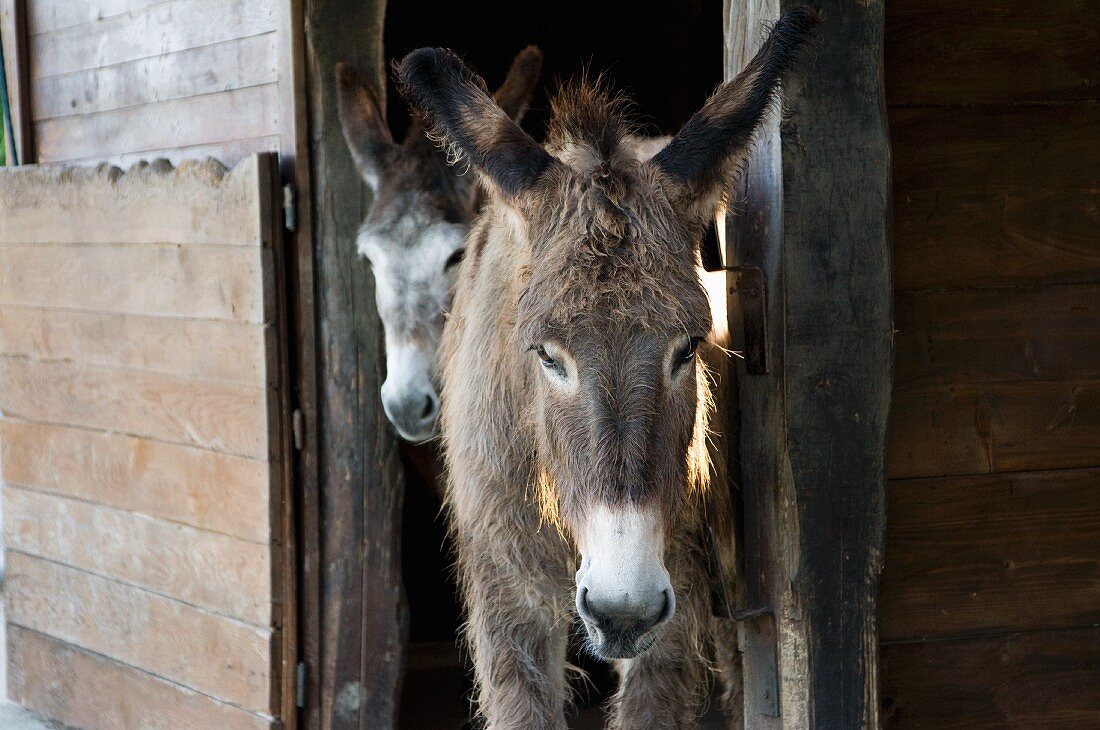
(414,235)
(574,407)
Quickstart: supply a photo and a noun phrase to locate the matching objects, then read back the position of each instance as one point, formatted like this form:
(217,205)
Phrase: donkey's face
(414,236)
(611,312)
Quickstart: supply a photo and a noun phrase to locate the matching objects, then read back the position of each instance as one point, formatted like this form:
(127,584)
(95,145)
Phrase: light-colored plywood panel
(198,120)
(163,28)
(225,659)
(222,282)
(226,66)
(203,349)
(204,489)
(229,153)
(217,572)
(199,202)
(225,418)
(83,689)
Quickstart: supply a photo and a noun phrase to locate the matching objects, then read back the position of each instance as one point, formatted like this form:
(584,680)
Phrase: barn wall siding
(989,596)
(123,80)
(140,444)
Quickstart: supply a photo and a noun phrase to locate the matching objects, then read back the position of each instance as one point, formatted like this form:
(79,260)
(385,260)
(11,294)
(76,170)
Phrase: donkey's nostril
(429,407)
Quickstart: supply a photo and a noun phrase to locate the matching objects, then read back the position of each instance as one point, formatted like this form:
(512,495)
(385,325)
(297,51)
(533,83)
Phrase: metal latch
(748,285)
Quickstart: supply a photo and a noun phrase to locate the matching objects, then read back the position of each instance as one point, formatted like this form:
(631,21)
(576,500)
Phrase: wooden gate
(146,488)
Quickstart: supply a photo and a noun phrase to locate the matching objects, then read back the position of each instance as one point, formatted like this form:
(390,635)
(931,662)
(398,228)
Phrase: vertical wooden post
(364,623)
(13,35)
(813,211)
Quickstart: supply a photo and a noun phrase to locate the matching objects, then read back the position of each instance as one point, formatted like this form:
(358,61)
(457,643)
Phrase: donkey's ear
(470,124)
(703,155)
(363,123)
(514,95)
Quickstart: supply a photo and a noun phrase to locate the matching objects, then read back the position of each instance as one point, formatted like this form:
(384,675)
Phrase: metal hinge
(290,208)
(298,427)
(300,678)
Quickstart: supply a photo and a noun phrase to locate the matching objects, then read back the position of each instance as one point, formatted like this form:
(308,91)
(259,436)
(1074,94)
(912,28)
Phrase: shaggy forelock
(608,242)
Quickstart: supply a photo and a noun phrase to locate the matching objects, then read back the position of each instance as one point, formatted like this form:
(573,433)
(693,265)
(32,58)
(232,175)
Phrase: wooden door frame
(13,15)
(353,617)
(813,211)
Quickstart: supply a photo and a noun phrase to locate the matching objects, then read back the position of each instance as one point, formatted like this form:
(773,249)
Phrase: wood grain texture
(971,555)
(1002,334)
(165,27)
(227,352)
(231,152)
(1013,235)
(989,195)
(992,51)
(223,574)
(235,64)
(156,279)
(989,428)
(14,39)
(361,485)
(217,656)
(227,418)
(200,202)
(237,114)
(1042,679)
(994,148)
(50,15)
(196,487)
(83,689)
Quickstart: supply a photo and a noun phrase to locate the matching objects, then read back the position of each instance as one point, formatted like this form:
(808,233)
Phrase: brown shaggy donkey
(574,407)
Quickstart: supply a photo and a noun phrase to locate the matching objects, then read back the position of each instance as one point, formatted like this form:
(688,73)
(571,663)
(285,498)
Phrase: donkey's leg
(518,622)
(667,686)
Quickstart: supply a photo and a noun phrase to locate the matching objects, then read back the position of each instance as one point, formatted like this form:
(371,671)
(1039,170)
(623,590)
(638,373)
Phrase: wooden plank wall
(140,448)
(122,80)
(991,593)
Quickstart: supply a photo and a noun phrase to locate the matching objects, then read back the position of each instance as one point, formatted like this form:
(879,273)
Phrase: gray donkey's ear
(514,95)
(463,117)
(363,121)
(716,140)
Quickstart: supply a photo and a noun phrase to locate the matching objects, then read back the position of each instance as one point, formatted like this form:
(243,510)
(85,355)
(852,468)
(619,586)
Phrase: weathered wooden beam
(361,485)
(812,210)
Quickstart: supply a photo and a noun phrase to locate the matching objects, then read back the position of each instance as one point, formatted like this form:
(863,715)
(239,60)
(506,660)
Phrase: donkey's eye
(455,258)
(688,353)
(547,361)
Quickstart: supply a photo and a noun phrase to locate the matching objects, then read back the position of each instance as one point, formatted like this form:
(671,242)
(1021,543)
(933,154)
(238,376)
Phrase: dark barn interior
(637,51)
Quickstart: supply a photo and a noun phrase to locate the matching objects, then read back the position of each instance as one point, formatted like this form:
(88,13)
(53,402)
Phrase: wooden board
(219,282)
(217,656)
(977,429)
(1011,235)
(229,153)
(200,202)
(83,689)
(945,52)
(1002,334)
(196,487)
(231,419)
(1042,679)
(235,64)
(142,33)
(995,148)
(228,352)
(973,555)
(56,14)
(988,195)
(360,653)
(222,574)
(199,120)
